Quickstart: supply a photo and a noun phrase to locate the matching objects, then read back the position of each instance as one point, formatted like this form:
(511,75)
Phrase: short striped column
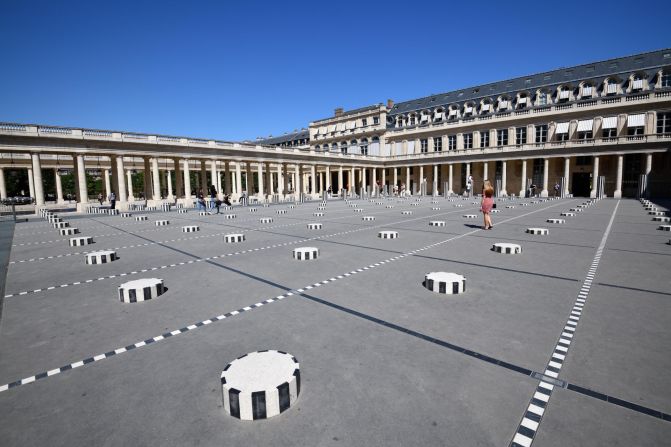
(437,223)
(541,231)
(182,210)
(101,257)
(141,218)
(387,234)
(406,213)
(260,385)
(68,231)
(162,223)
(506,248)
(556,221)
(59,225)
(190,228)
(470,216)
(141,290)
(305,253)
(266,219)
(445,283)
(79,241)
(230,216)
(314,226)
(368,218)
(234,238)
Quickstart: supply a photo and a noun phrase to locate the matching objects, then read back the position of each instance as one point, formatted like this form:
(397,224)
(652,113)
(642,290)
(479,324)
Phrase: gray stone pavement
(383,360)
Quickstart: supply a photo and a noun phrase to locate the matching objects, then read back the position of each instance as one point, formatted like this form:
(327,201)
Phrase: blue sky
(238,70)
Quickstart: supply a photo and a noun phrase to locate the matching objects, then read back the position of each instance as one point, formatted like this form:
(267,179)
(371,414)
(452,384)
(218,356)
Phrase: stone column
(130,186)
(340,179)
(259,175)
(327,176)
(59,188)
(485,170)
(249,179)
(648,164)
(31,183)
(567,168)
(121,181)
(394,177)
(297,182)
(523,188)
(407,179)
(3,186)
(156,179)
(546,168)
(363,179)
(114,181)
(203,178)
(450,178)
(238,178)
(81,177)
(313,179)
(178,178)
(75,175)
(171,197)
(373,182)
(421,179)
(214,175)
(351,184)
(269,180)
(504,178)
(285,179)
(227,180)
(108,187)
(618,178)
(147,179)
(187,180)
(435,180)
(383,180)
(595,178)
(37,175)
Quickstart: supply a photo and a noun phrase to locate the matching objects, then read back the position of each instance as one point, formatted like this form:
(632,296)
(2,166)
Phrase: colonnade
(276,178)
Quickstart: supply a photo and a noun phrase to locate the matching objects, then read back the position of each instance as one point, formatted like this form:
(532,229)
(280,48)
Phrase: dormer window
(637,85)
(503,104)
(438,115)
(586,91)
(485,108)
(468,110)
(564,95)
(452,114)
(412,120)
(542,99)
(522,102)
(611,88)
(666,79)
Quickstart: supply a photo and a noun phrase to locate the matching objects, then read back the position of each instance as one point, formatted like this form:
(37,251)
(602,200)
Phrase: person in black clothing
(227,200)
(112,199)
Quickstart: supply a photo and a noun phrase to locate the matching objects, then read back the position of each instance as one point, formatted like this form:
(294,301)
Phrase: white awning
(424,118)
(637,120)
(485,107)
(522,100)
(469,109)
(453,112)
(587,90)
(609,122)
(503,104)
(562,127)
(638,83)
(585,125)
(563,94)
(438,116)
(611,88)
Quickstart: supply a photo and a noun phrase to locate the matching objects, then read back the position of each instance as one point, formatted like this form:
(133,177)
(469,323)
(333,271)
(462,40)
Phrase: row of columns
(121,180)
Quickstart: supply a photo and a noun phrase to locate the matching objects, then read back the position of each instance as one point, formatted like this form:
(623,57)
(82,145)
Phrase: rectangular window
(484,139)
(542,99)
(562,136)
(542,133)
(451,142)
(635,131)
(664,122)
(502,137)
(364,122)
(468,141)
(521,135)
(585,135)
(666,79)
(609,133)
(437,144)
(424,145)
(376,120)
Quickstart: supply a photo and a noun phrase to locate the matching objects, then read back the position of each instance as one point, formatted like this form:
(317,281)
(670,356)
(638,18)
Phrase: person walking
(201,200)
(487,204)
(469,185)
(100,198)
(112,199)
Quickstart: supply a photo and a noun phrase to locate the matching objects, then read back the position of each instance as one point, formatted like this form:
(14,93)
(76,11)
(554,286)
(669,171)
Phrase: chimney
(339,111)
(390,103)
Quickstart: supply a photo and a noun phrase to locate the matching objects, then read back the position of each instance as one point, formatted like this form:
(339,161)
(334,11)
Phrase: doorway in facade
(580,184)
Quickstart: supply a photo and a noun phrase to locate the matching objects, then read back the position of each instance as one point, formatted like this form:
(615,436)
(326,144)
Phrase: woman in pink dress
(487,204)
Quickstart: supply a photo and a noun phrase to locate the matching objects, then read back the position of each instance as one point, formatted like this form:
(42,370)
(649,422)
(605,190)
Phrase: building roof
(287,137)
(648,63)
(351,112)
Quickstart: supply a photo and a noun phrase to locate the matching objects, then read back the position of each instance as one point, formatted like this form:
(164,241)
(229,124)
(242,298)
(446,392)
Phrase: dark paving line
(633,288)
(6,236)
(641,252)
(494,361)
(542,275)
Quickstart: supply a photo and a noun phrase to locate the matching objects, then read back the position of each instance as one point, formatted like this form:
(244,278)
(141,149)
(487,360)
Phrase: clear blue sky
(237,70)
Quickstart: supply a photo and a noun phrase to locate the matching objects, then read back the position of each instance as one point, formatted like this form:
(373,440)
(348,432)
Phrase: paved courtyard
(566,343)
